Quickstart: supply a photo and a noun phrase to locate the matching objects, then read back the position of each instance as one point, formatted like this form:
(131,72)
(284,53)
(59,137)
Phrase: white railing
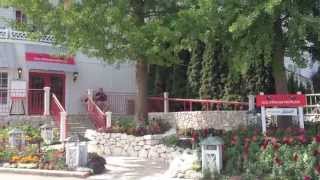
(20,35)
(312,109)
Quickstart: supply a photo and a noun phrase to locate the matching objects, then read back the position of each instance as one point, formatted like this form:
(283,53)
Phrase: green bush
(170,140)
(96,163)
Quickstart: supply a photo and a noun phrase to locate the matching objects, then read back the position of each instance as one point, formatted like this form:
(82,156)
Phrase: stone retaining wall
(226,120)
(117,144)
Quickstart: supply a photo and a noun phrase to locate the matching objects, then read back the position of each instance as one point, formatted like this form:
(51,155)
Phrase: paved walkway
(118,168)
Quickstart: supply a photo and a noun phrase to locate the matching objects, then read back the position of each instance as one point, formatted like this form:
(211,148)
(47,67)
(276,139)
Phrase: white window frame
(4,88)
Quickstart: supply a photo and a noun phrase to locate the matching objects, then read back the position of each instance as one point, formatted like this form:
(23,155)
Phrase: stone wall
(226,120)
(117,144)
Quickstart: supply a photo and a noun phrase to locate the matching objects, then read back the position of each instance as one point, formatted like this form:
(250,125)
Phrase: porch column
(108,119)
(251,103)
(46,110)
(90,93)
(166,102)
(300,115)
(63,126)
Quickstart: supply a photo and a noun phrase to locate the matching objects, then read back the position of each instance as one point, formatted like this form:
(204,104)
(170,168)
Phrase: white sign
(18,89)
(282,111)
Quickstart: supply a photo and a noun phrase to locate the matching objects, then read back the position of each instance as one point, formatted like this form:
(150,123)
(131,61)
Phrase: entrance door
(37,81)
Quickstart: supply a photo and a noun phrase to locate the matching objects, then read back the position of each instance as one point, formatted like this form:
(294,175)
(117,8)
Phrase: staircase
(78,124)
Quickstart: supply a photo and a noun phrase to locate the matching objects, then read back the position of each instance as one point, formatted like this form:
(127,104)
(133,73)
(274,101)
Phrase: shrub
(170,140)
(96,163)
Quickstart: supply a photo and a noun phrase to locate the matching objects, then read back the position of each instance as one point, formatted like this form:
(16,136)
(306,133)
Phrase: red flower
(288,140)
(276,146)
(317,169)
(234,140)
(195,136)
(302,139)
(316,152)
(317,138)
(306,178)
(274,140)
(278,161)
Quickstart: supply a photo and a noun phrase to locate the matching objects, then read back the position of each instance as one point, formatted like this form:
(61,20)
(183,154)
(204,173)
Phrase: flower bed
(32,153)
(286,153)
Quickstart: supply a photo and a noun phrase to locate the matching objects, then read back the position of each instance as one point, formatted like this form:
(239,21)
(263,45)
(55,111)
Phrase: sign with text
(281,100)
(282,111)
(41,57)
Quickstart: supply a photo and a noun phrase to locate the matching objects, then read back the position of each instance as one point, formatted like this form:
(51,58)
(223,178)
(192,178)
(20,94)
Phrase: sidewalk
(130,168)
(118,168)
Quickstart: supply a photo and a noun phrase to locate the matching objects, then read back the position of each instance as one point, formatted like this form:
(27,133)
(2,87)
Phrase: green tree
(259,77)
(124,30)
(214,72)
(194,69)
(271,29)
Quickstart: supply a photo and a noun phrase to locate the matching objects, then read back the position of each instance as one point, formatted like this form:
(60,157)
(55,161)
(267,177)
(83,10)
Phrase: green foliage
(170,140)
(194,69)
(96,163)
(114,30)
(6,155)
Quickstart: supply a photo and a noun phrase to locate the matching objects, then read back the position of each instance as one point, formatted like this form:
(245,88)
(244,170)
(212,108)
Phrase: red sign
(285,100)
(40,57)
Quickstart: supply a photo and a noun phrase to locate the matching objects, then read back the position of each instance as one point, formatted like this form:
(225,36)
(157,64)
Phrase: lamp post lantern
(211,153)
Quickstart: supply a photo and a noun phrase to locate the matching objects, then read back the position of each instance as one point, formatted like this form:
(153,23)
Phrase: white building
(39,64)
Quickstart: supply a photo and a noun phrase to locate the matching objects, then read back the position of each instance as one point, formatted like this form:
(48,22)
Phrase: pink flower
(306,178)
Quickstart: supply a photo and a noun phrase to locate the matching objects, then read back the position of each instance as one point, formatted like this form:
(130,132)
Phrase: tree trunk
(141,112)
(278,70)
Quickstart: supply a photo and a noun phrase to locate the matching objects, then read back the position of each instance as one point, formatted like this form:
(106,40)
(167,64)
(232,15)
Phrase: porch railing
(59,115)
(22,35)
(97,116)
(156,104)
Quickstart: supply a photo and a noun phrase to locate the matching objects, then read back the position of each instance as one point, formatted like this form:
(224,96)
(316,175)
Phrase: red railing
(96,115)
(156,104)
(55,110)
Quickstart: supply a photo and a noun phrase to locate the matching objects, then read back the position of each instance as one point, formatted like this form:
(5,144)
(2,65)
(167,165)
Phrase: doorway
(39,80)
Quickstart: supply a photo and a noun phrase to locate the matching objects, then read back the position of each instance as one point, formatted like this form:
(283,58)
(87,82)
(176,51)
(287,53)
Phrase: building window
(3,87)
(20,17)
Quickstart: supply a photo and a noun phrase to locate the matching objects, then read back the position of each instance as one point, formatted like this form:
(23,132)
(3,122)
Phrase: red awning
(42,61)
